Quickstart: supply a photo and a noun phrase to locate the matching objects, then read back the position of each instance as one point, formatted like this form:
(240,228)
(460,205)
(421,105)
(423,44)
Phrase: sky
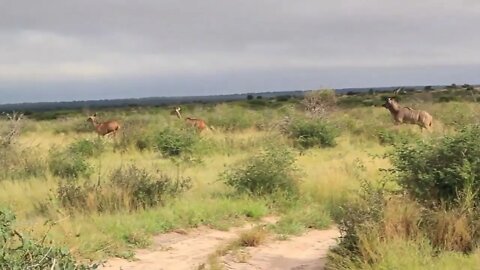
(100,49)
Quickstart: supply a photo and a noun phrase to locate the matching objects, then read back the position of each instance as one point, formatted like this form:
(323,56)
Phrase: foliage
(175,142)
(68,164)
(134,133)
(312,133)
(439,171)
(272,170)
(232,118)
(19,252)
(320,102)
(405,254)
(300,216)
(384,220)
(17,162)
(11,135)
(87,148)
(361,213)
(395,137)
(128,189)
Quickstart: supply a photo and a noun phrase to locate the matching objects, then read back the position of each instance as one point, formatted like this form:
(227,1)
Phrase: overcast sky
(93,49)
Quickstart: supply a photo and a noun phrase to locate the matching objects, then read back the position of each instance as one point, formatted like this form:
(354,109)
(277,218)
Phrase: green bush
(367,210)
(439,171)
(271,171)
(87,148)
(67,164)
(312,133)
(20,252)
(175,142)
(128,189)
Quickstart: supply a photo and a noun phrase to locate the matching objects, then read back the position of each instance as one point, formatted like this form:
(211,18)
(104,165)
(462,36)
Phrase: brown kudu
(408,115)
(104,128)
(198,123)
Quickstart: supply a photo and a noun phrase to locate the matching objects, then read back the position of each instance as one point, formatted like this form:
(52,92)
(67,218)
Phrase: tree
(319,103)
(249,97)
(14,130)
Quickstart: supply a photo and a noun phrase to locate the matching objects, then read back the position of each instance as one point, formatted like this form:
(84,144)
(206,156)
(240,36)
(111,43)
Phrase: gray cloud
(53,49)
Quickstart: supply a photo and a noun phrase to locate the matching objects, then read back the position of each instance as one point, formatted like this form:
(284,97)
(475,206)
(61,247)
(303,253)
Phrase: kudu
(104,128)
(198,123)
(408,115)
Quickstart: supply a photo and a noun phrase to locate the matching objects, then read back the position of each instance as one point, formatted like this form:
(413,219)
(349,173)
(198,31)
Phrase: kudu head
(391,102)
(92,118)
(388,102)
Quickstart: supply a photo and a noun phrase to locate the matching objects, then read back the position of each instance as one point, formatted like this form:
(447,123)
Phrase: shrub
(439,171)
(253,237)
(128,189)
(134,133)
(404,254)
(320,102)
(17,162)
(66,164)
(381,219)
(87,148)
(142,143)
(271,171)
(19,252)
(362,213)
(175,142)
(312,133)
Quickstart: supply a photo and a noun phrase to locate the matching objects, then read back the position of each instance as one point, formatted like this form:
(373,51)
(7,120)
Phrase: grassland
(329,176)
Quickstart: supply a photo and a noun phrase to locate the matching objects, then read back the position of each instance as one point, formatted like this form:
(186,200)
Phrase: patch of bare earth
(191,249)
(307,251)
(179,250)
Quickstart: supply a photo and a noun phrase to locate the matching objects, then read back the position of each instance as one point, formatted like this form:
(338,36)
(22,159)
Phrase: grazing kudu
(408,115)
(104,128)
(198,123)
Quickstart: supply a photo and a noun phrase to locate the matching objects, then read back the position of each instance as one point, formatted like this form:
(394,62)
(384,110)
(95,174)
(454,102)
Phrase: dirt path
(297,253)
(189,250)
(180,250)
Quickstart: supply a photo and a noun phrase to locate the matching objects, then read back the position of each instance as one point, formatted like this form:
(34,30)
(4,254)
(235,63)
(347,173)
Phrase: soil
(187,250)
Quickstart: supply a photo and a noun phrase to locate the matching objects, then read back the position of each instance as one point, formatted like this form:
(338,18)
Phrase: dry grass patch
(253,237)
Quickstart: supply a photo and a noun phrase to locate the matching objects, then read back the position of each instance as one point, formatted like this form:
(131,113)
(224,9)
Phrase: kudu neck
(95,122)
(394,107)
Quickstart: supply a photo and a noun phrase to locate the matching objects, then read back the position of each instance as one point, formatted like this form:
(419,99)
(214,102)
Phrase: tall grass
(330,176)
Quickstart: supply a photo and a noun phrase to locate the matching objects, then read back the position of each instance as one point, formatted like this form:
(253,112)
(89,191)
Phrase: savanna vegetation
(402,198)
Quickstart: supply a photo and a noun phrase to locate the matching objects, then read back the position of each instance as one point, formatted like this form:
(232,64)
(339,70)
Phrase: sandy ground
(189,250)
(306,252)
